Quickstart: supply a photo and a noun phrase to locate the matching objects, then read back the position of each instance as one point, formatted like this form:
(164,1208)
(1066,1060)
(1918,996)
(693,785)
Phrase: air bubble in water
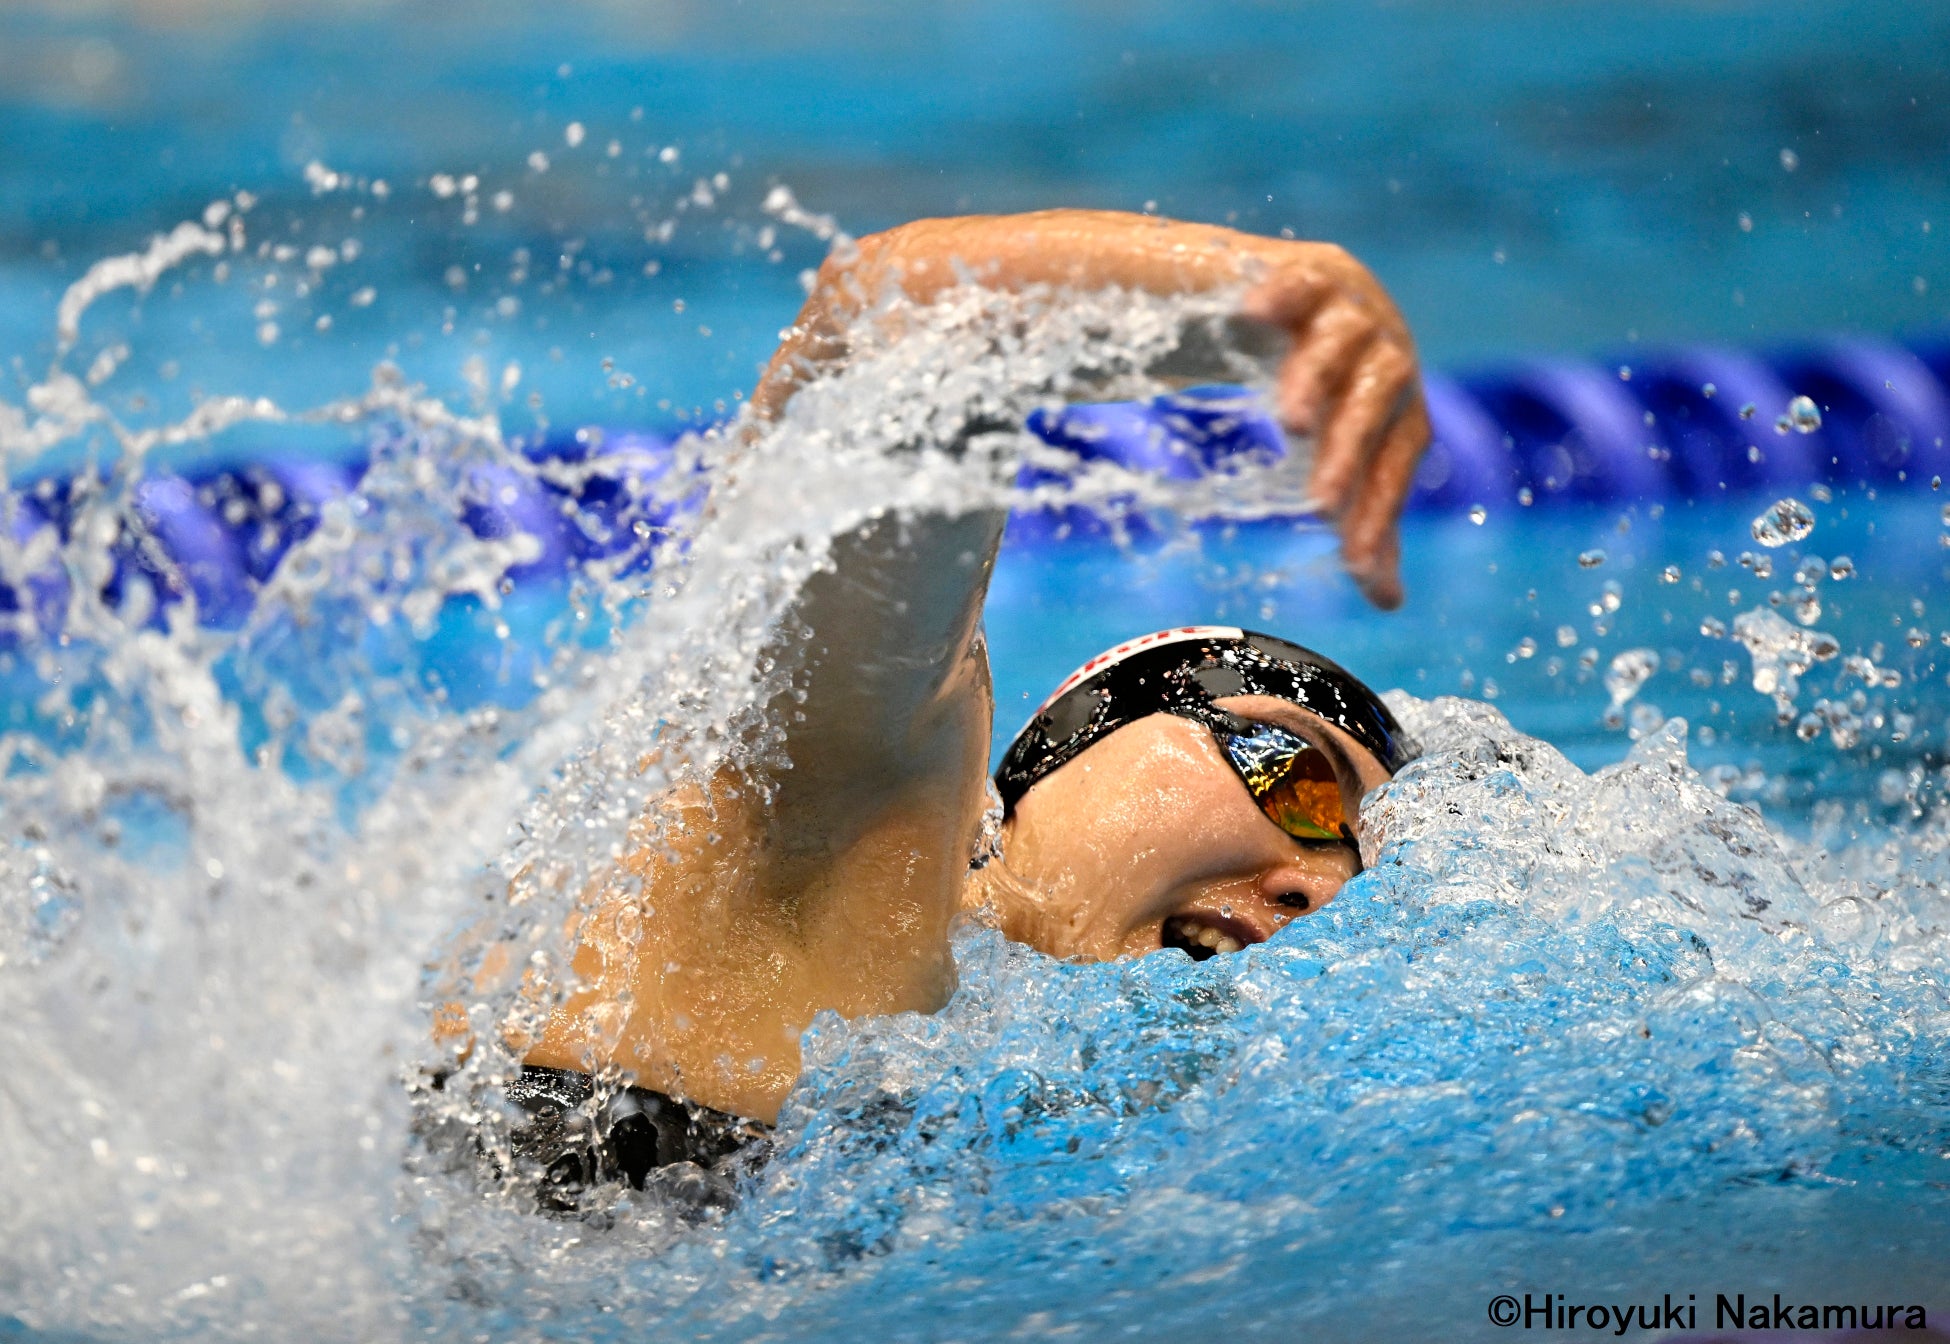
(1713,627)
(1811,571)
(1670,574)
(1567,635)
(1808,728)
(1591,559)
(1804,415)
(1612,595)
(572,134)
(1787,520)
(1478,514)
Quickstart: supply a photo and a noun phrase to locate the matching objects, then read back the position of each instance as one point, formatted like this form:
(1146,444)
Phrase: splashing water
(1568,1022)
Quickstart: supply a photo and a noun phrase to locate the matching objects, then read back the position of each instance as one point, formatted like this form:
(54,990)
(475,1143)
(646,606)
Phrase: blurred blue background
(1527,177)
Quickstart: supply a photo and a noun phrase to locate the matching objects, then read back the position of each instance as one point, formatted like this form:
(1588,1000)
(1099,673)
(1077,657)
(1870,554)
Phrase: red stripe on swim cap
(1111,657)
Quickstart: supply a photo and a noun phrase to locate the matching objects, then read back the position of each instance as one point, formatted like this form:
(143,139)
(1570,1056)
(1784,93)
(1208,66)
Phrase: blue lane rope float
(1675,425)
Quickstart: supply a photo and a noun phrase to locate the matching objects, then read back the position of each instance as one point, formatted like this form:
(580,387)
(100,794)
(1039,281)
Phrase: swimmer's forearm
(1082,250)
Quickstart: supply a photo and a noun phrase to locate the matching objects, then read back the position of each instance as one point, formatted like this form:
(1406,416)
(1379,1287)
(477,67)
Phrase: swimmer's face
(1150,839)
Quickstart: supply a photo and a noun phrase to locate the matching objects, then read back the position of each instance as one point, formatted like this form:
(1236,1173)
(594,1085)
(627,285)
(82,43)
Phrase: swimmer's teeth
(1194,931)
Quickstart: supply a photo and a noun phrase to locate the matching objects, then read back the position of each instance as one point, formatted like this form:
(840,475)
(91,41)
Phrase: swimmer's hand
(1349,378)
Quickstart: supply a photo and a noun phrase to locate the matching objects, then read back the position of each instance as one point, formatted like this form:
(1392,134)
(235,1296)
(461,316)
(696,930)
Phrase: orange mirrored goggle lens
(1291,779)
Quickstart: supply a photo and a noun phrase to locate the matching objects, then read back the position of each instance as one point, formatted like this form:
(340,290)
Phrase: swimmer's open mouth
(1202,936)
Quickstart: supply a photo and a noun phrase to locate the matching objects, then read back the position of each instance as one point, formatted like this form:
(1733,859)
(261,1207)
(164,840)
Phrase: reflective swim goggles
(1182,672)
(1290,779)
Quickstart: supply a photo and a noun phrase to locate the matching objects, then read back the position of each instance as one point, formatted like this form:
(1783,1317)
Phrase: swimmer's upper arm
(886,707)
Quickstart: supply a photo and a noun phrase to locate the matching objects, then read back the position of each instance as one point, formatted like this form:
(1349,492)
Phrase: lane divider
(1673,425)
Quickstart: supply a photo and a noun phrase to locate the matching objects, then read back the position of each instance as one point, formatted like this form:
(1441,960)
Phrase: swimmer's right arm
(1349,378)
(828,879)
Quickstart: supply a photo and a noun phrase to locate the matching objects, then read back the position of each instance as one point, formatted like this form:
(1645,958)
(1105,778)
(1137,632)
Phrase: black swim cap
(1182,671)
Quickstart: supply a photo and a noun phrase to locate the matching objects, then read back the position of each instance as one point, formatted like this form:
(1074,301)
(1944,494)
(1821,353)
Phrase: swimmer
(1195,789)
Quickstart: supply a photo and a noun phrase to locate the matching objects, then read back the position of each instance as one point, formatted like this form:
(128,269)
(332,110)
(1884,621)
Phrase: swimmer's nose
(1293,889)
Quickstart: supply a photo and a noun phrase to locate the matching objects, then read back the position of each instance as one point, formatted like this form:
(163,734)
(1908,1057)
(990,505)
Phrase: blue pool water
(1645,990)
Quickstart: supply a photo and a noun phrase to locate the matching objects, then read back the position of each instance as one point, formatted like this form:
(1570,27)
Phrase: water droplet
(1670,574)
(572,134)
(1790,160)
(1747,411)
(1804,415)
(1624,373)
(1788,520)
(1478,514)
(1629,671)
(1808,728)
(1567,635)
(1713,628)
(1590,559)
(1841,568)
(1525,497)
(1716,560)
(1612,596)
(1526,647)
(1811,571)
(1709,391)
(1782,424)
(1915,638)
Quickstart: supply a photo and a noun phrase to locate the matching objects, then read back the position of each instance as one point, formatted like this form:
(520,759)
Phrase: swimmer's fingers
(1375,396)
(1316,371)
(1370,528)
